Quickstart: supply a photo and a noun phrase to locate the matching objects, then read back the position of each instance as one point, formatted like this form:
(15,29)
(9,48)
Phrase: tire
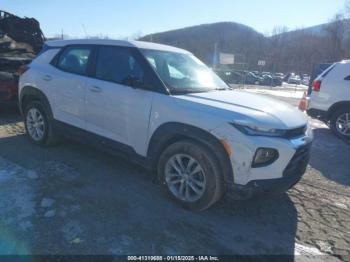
(338,119)
(47,135)
(206,176)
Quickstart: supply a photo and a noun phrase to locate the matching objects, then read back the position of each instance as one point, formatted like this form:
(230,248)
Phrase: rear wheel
(191,175)
(340,123)
(38,126)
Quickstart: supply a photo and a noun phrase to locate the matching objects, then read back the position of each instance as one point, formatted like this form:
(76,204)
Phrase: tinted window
(74,59)
(328,70)
(347,78)
(117,65)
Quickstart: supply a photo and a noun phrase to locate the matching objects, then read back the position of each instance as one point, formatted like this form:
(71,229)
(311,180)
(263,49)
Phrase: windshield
(183,73)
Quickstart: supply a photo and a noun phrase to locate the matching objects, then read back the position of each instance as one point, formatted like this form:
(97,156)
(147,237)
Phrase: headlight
(259,131)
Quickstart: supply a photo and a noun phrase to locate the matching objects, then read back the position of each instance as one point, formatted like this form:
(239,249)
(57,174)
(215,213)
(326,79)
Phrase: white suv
(161,107)
(330,98)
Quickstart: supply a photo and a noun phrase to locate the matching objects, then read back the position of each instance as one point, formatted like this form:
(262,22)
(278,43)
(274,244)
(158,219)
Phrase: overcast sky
(122,18)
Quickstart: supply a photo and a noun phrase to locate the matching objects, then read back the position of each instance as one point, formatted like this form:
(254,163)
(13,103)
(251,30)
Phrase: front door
(114,108)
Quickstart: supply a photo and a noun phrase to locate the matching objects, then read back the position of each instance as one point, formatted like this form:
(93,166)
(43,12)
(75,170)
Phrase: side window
(74,59)
(117,65)
(347,78)
(152,61)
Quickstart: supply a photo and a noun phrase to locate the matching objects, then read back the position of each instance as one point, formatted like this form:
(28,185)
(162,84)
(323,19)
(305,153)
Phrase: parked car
(280,75)
(305,81)
(161,107)
(8,88)
(267,80)
(278,79)
(294,79)
(317,70)
(230,76)
(330,98)
(252,79)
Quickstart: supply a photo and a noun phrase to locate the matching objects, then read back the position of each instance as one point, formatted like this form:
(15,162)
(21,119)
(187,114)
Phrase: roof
(137,44)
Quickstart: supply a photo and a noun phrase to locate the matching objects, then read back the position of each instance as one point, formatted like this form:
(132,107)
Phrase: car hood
(246,108)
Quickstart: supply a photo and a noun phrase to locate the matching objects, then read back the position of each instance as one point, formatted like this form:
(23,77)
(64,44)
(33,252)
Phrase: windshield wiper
(223,89)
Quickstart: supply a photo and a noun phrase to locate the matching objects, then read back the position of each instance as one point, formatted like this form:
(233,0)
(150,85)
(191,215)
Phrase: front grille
(300,159)
(296,132)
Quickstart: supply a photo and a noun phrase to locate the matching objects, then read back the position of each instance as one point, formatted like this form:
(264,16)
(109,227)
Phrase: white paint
(280,93)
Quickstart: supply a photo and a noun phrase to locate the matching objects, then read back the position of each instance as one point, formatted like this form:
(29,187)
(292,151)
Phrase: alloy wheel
(343,124)
(185,178)
(35,124)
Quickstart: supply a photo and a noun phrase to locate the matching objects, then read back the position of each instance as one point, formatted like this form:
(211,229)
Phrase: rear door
(68,83)
(115,109)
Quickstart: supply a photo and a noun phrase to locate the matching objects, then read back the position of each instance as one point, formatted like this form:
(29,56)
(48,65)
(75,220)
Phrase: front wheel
(191,175)
(340,123)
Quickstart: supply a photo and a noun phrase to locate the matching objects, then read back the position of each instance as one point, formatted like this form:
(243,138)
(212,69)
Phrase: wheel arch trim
(171,132)
(336,106)
(30,91)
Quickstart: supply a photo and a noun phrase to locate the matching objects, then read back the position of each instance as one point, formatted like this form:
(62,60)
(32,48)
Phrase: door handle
(95,89)
(47,78)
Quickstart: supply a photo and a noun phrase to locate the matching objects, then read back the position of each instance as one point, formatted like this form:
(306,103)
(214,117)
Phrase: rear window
(328,70)
(74,59)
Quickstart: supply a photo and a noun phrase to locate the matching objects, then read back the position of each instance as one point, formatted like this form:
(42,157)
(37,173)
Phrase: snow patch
(306,251)
(17,205)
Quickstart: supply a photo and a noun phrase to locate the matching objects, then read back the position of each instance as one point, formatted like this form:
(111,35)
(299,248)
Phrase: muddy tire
(191,175)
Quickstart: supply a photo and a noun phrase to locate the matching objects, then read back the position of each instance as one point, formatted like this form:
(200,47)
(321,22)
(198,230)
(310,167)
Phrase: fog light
(264,157)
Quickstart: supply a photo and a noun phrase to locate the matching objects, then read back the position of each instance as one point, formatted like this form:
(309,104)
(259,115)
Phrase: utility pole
(216,55)
(84,29)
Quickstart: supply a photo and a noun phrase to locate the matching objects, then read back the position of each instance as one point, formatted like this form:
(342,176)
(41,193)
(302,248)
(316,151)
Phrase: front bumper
(291,176)
(287,170)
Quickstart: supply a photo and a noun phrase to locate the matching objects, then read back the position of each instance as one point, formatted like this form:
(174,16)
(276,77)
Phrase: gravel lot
(73,199)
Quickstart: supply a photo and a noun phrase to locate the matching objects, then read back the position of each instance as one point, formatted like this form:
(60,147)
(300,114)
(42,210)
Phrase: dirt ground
(73,199)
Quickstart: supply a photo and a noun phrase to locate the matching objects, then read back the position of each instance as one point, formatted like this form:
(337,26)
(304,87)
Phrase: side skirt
(120,150)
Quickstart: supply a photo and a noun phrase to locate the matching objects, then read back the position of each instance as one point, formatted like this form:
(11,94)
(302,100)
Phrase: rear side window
(74,60)
(117,64)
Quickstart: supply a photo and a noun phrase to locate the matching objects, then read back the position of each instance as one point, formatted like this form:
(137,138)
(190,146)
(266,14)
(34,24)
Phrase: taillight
(316,85)
(22,69)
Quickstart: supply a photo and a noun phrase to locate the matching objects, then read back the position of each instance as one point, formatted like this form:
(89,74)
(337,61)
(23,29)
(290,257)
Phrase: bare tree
(336,37)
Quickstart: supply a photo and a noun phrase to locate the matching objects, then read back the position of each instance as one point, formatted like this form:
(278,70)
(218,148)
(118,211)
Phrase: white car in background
(330,98)
(161,107)
(294,79)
